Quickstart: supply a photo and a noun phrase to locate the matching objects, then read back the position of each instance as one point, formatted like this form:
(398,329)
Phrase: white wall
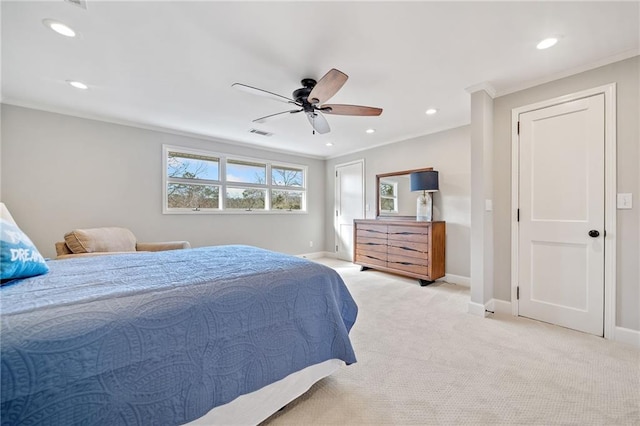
(447,152)
(61,172)
(626,74)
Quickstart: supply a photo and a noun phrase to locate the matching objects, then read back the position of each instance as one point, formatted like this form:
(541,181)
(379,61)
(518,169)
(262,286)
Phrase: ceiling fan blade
(281,114)
(338,109)
(260,92)
(318,122)
(327,86)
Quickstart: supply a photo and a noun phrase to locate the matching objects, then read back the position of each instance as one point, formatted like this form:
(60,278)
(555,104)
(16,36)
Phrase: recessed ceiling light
(78,84)
(547,43)
(329,144)
(371,130)
(59,27)
(431,111)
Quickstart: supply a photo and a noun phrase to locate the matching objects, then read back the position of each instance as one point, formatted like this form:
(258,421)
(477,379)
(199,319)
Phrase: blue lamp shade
(424,181)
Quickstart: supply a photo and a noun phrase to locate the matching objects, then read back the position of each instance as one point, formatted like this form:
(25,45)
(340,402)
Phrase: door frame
(610,188)
(335,197)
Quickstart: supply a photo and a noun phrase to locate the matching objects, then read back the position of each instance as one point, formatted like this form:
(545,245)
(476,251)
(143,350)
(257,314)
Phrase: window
(197,181)
(388,197)
(286,183)
(192,181)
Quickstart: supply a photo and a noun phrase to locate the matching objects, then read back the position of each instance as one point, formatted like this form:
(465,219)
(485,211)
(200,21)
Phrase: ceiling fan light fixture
(370,131)
(547,43)
(431,111)
(59,27)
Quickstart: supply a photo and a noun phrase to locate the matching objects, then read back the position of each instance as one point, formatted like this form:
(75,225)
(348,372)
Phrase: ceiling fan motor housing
(301,95)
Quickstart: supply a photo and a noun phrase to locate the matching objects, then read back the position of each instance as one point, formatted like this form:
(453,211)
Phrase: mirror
(394,199)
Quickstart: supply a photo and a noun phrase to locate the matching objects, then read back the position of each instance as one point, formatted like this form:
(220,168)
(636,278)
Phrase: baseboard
(500,306)
(628,336)
(317,255)
(477,309)
(457,279)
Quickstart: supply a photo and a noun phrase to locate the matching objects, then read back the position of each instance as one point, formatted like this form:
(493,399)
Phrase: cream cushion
(95,240)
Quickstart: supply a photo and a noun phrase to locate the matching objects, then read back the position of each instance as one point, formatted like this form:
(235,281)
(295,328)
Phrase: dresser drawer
(402,258)
(372,231)
(367,257)
(408,233)
(408,266)
(372,244)
(408,248)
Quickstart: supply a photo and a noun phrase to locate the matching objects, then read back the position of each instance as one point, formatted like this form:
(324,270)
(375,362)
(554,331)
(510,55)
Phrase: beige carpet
(423,360)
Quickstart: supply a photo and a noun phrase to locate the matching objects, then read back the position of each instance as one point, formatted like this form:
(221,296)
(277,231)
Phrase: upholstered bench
(100,241)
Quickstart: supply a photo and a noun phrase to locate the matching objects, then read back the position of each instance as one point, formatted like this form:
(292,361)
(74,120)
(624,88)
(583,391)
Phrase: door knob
(593,233)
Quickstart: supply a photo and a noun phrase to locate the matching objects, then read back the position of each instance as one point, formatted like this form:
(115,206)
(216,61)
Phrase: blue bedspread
(162,338)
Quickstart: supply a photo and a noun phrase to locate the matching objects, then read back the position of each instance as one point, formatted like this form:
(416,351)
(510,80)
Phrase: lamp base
(424,208)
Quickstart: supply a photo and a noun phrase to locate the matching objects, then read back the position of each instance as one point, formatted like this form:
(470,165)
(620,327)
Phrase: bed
(214,335)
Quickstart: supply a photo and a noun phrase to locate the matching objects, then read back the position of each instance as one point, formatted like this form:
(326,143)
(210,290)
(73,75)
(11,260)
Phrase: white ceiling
(172,64)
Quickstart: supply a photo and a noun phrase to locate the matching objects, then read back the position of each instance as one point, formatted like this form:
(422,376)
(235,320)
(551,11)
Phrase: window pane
(387,204)
(285,176)
(387,189)
(245,198)
(286,200)
(188,166)
(246,172)
(193,196)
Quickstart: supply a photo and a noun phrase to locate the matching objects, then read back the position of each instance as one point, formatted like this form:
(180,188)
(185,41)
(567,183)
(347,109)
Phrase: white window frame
(223,184)
(394,198)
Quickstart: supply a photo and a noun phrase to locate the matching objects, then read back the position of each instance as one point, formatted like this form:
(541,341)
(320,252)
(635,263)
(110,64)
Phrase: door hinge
(336,247)
(518,215)
(518,293)
(518,127)
(336,213)
(336,173)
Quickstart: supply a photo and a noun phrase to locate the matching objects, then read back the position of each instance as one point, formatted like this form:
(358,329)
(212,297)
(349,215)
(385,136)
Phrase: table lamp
(427,182)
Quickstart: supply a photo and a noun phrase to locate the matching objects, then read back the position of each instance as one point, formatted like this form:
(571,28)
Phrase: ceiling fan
(310,98)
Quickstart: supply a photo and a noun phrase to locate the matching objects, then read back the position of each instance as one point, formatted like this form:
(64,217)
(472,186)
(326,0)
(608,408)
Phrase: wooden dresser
(414,249)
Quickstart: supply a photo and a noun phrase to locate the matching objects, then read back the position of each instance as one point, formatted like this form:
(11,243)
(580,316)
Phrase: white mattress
(254,407)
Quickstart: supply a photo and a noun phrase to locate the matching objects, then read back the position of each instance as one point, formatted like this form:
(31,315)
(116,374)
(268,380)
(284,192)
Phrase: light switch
(366,207)
(625,201)
(488,205)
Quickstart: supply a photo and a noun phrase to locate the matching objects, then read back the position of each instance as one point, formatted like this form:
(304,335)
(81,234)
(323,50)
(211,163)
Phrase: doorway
(563,257)
(349,205)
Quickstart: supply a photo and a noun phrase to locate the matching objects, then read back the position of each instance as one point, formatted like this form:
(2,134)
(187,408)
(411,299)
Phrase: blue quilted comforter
(162,338)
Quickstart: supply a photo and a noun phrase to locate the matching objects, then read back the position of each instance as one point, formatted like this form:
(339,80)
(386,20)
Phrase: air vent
(260,132)
(79,3)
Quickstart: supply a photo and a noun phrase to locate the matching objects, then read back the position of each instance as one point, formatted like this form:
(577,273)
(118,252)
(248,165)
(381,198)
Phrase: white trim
(477,309)
(456,279)
(609,91)
(486,86)
(572,71)
(156,128)
(316,255)
(335,197)
(498,306)
(628,336)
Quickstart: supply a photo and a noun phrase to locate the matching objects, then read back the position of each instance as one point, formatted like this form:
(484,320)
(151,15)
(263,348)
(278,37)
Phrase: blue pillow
(19,258)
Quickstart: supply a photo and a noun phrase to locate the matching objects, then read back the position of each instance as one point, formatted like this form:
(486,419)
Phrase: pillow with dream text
(19,258)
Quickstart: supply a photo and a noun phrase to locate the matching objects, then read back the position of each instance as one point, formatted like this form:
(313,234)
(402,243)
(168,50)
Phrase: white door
(561,211)
(349,205)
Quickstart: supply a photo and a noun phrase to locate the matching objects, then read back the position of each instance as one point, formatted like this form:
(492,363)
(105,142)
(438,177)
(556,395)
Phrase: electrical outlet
(310,243)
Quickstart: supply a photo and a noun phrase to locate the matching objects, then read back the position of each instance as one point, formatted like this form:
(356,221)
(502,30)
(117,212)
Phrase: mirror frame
(385,175)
